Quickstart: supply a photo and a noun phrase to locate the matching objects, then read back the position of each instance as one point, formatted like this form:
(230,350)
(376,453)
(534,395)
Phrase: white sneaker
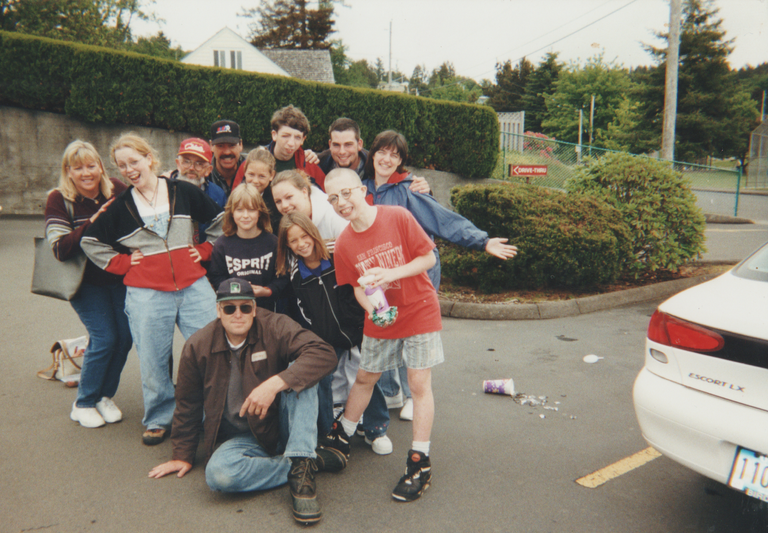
(406,413)
(109,411)
(88,417)
(381,445)
(395,402)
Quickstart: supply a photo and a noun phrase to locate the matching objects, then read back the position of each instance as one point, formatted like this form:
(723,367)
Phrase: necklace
(154,197)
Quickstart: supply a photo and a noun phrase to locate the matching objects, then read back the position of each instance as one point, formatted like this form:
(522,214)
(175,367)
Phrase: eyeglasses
(345,193)
(230,309)
(133,164)
(199,165)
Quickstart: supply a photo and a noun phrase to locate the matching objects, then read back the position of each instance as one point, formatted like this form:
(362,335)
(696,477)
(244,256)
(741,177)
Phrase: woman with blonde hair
(292,191)
(83,194)
(248,248)
(147,235)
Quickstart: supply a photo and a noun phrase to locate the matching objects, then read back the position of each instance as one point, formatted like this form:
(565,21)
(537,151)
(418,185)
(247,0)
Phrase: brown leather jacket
(204,372)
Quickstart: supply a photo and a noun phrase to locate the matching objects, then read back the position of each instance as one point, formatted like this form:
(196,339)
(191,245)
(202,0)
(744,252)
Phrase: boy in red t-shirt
(387,243)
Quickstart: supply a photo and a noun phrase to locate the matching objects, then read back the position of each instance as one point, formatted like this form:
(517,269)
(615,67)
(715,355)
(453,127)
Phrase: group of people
(257,260)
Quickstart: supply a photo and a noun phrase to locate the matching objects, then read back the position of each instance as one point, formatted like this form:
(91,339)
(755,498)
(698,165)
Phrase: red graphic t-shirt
(395,239)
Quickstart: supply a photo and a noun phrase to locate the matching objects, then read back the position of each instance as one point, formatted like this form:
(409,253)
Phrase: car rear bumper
(698,430)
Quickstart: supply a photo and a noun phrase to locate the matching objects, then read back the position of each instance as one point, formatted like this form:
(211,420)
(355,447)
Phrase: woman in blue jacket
(388,183)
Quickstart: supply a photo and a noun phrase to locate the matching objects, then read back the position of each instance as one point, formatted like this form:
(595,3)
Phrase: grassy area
(713,179)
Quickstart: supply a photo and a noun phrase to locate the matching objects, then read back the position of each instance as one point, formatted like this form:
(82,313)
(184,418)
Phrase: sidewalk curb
(564,308)
(711,218)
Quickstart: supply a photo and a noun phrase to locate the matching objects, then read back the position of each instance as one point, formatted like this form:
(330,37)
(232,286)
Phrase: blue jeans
(391,382)
(241,464)
(102,311)
(375,417)
(152,315)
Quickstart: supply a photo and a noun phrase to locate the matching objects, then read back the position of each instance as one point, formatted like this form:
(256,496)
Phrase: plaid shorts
(418,352)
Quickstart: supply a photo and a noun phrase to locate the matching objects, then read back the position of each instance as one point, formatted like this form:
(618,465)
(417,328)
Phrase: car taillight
(671,331)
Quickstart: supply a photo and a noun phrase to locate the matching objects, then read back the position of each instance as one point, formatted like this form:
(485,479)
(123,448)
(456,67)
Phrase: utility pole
(581,127)
(670,87)
(389,76)
(591,119)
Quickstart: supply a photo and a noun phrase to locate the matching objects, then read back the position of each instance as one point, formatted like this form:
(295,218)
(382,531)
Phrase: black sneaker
(418,475)
(336,439)
(301,481)
(330,460)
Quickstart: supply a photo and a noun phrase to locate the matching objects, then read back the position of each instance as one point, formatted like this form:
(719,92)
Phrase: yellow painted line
(595,479)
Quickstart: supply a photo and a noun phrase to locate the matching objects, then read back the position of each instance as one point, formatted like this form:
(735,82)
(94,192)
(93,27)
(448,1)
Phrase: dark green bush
(657,204)
(572,241)
(108,86)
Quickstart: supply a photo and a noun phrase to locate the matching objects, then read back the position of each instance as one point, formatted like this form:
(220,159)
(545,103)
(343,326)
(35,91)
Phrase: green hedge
(564,240)
(108,86)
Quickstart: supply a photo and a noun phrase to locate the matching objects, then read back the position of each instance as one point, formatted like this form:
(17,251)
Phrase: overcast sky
(477,34)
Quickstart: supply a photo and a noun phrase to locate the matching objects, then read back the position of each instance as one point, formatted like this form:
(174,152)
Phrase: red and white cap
(198,147)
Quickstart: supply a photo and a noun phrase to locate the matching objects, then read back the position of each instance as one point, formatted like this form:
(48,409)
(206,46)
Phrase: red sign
(528,170)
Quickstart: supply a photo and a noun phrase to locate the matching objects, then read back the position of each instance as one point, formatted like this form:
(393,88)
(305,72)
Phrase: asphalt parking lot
(498,465)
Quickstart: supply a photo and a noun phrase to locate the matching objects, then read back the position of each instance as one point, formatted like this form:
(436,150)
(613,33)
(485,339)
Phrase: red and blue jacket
(167,264)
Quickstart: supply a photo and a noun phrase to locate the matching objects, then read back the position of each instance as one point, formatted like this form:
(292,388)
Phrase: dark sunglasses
(230,309)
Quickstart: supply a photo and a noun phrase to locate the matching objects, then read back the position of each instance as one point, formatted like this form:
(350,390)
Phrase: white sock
(422,447)
(348,426)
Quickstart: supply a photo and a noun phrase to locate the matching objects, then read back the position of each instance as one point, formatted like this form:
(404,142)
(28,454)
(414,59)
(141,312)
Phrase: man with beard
(193,164)
(227,149)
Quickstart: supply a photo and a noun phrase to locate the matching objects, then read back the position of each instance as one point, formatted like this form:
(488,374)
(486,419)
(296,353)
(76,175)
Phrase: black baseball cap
(234,289)
(225,131)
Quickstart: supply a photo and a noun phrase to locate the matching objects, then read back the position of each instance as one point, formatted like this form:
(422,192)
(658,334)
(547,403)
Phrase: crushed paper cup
(499,386)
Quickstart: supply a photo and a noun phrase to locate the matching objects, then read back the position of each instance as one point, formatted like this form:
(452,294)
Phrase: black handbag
(54,278)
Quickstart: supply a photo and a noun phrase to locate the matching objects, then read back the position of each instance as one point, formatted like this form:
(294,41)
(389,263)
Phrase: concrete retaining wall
(31,144)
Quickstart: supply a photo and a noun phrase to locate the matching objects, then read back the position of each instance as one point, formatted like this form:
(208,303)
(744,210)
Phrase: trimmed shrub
(572,241)
(109,86)
(657,204)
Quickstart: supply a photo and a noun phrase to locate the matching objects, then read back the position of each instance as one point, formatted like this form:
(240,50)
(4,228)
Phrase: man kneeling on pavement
(248,381)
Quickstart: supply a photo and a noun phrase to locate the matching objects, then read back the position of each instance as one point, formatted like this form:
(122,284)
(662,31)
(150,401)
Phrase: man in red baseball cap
(193,164)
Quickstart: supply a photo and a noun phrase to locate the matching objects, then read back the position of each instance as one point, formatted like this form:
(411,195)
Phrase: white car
(702,397)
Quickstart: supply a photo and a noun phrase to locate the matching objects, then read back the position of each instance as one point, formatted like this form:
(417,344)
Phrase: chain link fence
(549,163)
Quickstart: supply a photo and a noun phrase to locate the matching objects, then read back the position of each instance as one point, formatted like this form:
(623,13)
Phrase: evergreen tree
(290,24)
(507,93)
(540,82)
(441,75)
(381,72)
(418,80)
(714,113)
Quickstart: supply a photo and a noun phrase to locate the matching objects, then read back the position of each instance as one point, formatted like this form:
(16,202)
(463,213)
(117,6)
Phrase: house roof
(253,59)
(311,65)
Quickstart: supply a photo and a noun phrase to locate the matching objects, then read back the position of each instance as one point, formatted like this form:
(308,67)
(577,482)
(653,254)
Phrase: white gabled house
(227,49)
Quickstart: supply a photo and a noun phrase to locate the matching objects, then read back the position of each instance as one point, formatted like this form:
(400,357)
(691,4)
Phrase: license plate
(749,473)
